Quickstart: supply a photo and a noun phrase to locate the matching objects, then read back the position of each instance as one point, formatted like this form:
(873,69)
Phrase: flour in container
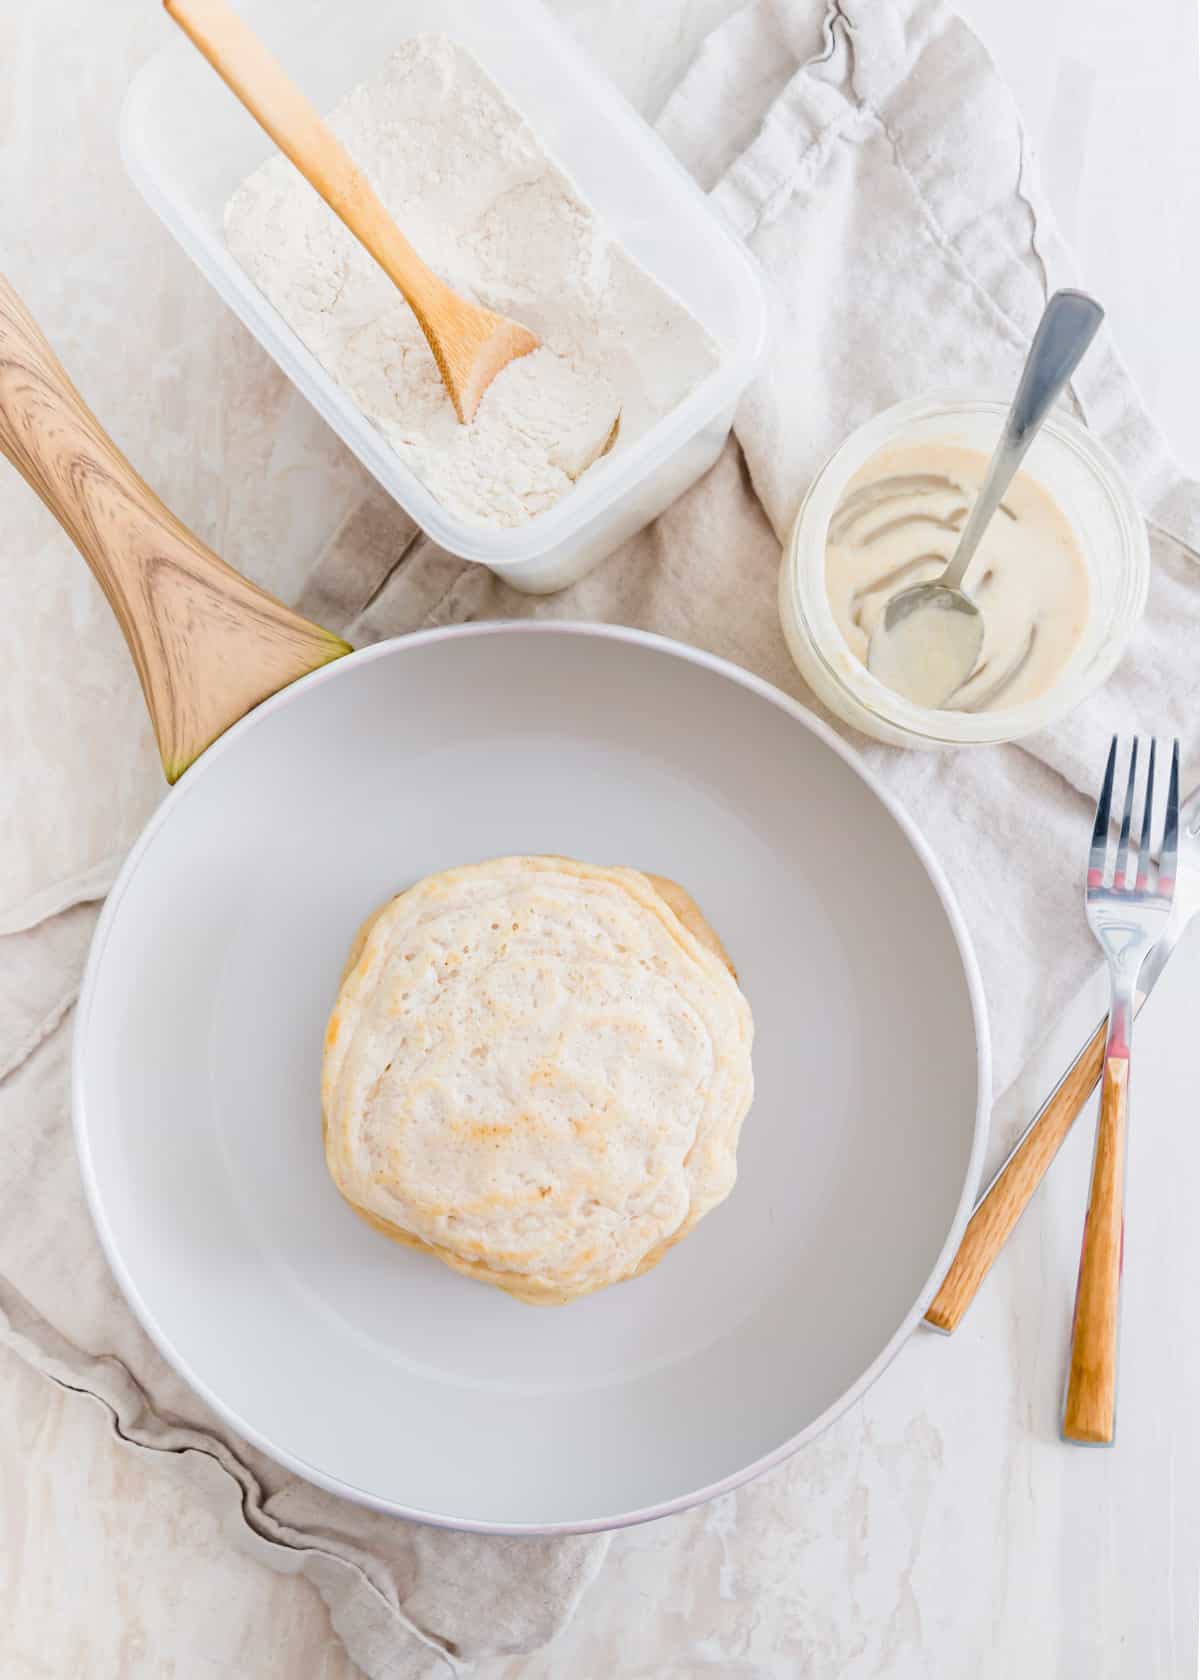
(475,191)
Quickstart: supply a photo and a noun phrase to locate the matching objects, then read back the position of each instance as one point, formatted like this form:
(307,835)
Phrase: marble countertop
(972,1541)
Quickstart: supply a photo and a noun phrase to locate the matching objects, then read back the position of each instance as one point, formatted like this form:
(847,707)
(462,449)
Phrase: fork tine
(1126,816)
(1169,854)
(1099,851)
(1145,859)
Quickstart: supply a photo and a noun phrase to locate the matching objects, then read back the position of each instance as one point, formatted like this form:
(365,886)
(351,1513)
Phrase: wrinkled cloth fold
(873,160)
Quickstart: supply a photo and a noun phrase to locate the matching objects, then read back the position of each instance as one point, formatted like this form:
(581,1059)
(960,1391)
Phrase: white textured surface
(964,1539)
(473,188)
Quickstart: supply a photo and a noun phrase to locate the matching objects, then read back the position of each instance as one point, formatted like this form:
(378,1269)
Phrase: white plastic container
(187,143)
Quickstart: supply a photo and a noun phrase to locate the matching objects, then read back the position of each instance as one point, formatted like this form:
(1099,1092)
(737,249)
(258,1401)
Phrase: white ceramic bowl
(379,1373)
(187,144)
(1081,477)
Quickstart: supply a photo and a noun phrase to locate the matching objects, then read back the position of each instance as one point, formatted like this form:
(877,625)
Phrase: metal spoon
(927,642)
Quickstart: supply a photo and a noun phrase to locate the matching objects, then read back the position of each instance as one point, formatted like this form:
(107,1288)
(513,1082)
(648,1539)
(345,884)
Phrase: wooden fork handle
(207,644)
(257,78)
(1090,1408)
(1007,1198)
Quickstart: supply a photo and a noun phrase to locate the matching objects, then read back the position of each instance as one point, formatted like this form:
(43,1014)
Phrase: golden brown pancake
(537,1069)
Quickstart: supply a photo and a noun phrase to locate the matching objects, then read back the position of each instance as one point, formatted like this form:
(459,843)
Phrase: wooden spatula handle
(277,104)
(207,644)
(1090,1408)
(992,1222)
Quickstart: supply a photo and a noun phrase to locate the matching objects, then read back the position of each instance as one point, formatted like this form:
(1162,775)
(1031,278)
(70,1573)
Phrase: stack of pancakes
(537,1070)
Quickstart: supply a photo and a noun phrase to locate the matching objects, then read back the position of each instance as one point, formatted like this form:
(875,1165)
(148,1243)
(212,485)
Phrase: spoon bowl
(929,637)
(470,344)
(930,643)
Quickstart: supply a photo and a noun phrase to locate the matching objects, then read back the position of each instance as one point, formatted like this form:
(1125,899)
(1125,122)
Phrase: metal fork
(1128,918)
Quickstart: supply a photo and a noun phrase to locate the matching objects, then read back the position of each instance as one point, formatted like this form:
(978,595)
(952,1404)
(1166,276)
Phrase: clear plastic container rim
(605,484)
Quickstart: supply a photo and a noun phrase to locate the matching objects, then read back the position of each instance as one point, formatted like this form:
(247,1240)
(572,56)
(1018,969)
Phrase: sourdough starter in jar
(898,524)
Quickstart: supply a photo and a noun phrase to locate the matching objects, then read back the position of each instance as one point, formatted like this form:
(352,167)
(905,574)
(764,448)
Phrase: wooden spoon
(470,345)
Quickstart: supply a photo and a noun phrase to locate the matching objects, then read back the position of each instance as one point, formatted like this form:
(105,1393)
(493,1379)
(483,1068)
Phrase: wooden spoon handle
(278,106)
(992,1222)
(1090,1408)
(207,644)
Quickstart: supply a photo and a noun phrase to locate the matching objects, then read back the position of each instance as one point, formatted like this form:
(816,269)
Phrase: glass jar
(1073,469)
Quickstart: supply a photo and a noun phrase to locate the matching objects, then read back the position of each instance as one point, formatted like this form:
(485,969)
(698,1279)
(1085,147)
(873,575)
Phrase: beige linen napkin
(873,159)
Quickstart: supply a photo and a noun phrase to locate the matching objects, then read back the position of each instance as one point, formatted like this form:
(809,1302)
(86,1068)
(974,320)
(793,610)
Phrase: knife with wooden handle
(1009,1193)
